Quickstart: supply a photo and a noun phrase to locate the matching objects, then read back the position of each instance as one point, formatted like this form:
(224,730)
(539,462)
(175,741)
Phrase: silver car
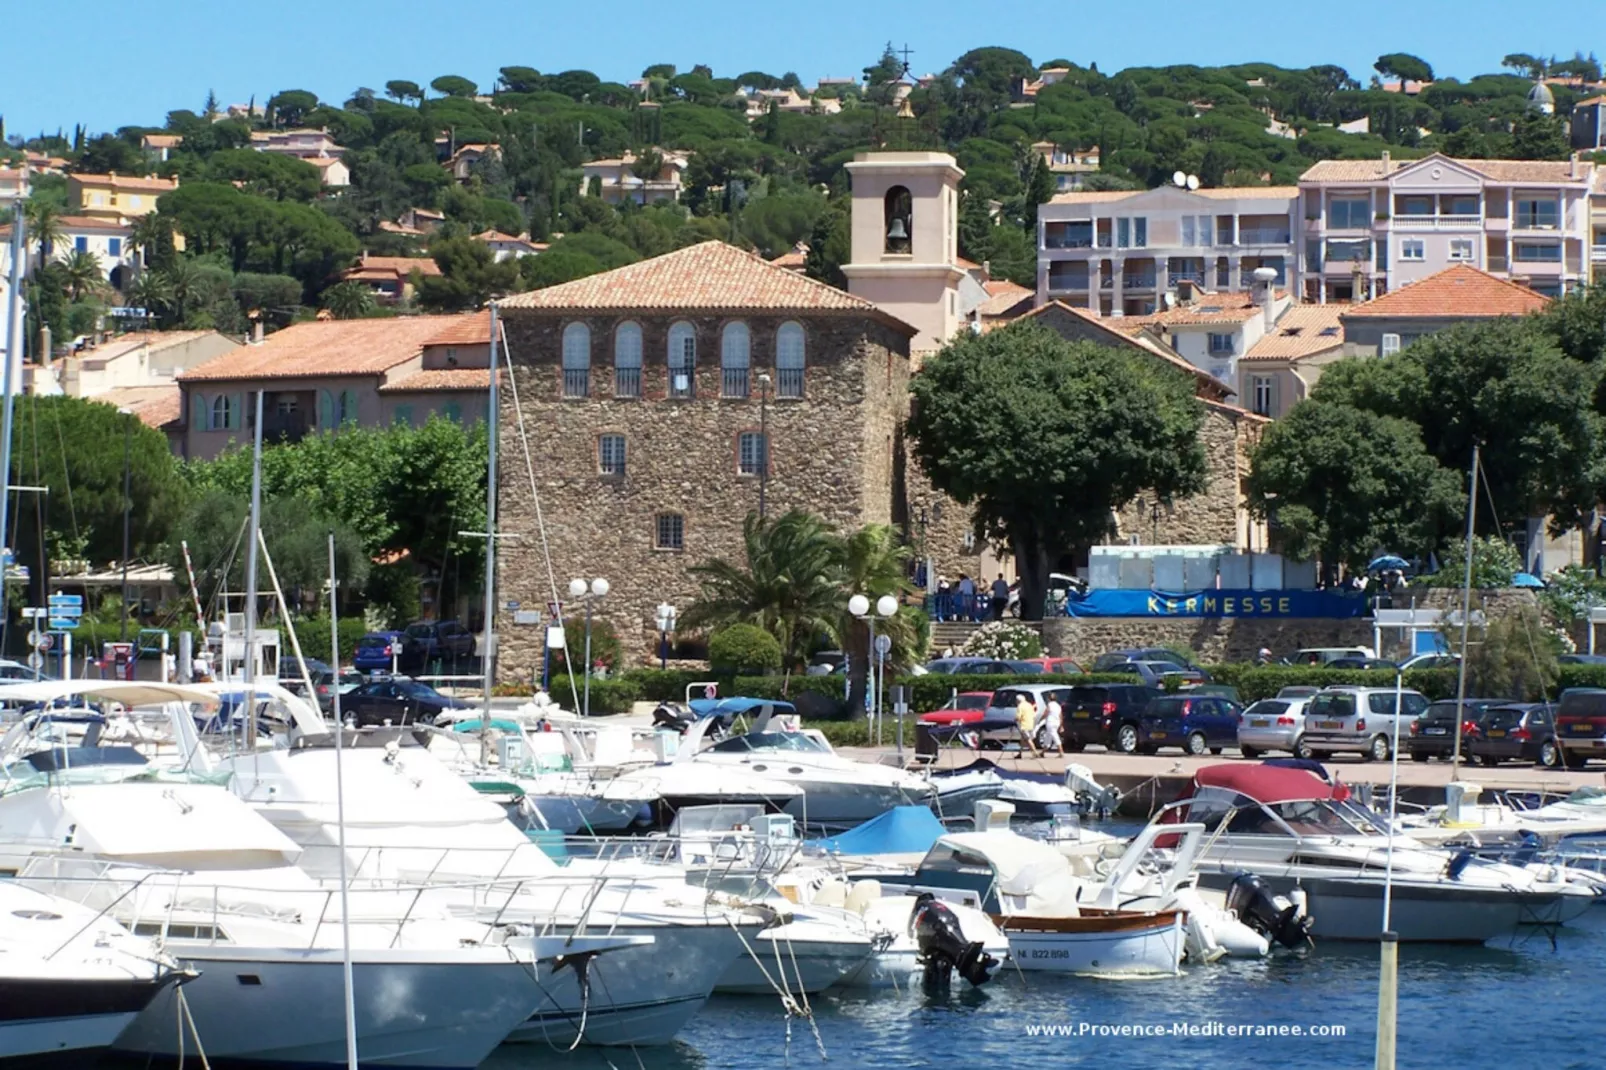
(1274,724)
(1360,720)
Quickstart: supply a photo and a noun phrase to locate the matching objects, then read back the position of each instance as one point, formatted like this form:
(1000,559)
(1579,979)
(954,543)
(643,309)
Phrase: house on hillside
(115,197)
(390,277)
(1281,368)
(1457,294)
(617,181)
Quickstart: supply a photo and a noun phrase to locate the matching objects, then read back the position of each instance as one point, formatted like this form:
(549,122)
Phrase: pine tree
(210,108)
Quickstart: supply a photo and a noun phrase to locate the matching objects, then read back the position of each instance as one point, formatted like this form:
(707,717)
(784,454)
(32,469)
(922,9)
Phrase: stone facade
(1213,639)
(835,452)
(1218,515)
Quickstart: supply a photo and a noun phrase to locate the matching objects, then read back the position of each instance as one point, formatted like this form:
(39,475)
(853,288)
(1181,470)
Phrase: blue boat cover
(511,727)
(901,830)
(725,707)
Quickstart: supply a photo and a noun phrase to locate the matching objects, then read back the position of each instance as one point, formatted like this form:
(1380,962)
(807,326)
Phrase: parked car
(1298,691)
(826,663)
(1156,673)
(428,641)
(343,685)
(1146,653)
(1195,724)
(1058,666)
(1581,725)
(1518,732)
(292,679)
(961,712)
(1433,733)
(1218,690)
(1322,655)
(1360,663)
(1359,720)
(992,727)
(397,700)
(378,652)
(1274,724)
(1581,659)
(1431,661)
(1107,715)
(14,671)
(982,667)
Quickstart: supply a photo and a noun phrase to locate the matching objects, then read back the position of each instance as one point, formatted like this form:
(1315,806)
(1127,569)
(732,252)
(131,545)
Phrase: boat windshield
(771,741)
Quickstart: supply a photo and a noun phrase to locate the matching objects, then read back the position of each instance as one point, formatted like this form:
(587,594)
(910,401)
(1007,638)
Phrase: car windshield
(1011,698)
(1331,706)
(418,690)
(372,642)
(1444,712)
(419,631)
(972,702)
(1266,707)
(1167,707)
(1089,696)
(1502,717)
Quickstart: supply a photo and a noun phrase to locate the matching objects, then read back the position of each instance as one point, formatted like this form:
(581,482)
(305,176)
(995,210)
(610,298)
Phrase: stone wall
(832,452)
(1212,639)
(1208,518)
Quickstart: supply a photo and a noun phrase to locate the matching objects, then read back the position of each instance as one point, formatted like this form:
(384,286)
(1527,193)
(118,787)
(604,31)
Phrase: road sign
(67,601)
(36,660)
(45,642)
(63,624)
(35,636)
(32,612)
(883,645)
(511,606)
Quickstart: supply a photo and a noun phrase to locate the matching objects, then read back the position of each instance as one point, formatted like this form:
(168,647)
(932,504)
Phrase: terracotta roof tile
(399,267)
(1237,307)
(326,348)
(441,379)
(129,182)
(708,276)
(154,406)
(1002,296)
(1302,331)
(1221,193)
(1546,171)
(1460,292)
(474,328)
(89,222)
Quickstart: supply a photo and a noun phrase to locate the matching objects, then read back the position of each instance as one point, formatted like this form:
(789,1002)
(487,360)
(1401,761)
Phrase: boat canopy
(1268,783)
(736,705)
(901,830)
(126,692)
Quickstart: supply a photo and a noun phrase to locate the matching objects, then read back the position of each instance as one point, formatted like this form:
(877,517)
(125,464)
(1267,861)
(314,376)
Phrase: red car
(1058,666)
(965,708)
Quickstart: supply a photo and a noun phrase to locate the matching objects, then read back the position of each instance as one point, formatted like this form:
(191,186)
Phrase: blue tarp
(901,830)
(725,707)
(1214,603)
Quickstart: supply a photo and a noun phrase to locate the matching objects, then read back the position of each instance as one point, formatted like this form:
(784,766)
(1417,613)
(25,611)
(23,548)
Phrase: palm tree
(83,273)
(790,586)
(184,282)
(875,562)
(44,226)
(150,290)
(348,300)
(149,234)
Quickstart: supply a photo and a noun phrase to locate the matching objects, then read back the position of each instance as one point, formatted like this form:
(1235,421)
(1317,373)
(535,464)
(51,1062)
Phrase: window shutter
(348,407)
(1391,344)
(326,411)
(236,411)
(198,412)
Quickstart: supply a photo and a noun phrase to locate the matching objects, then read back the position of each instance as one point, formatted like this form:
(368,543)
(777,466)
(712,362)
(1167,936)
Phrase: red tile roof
(1543,171)
(155,406)
(1460,292)
(1232,307)
(1003,296)
(474,328)
(706,277)
(128,182)
(326,348)
(392,267)
(1301,331)
(89,222)
(441,379)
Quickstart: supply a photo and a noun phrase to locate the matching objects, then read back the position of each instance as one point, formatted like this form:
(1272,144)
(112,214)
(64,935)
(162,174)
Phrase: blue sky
(109,63)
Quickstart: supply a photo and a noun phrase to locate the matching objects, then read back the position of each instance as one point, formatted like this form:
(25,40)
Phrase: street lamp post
(763,439)
(666,624)
(128,508)
(589,594)
(885,607)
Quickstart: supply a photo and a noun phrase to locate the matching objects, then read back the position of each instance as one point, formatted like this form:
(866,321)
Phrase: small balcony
(1067,236)
(1597,252)
(1264,236)
(1067,281)
(1409,221)
(1138,280)
(1193,275)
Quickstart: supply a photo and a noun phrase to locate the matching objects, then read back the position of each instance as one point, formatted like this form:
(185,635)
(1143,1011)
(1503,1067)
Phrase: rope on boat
(789,1003)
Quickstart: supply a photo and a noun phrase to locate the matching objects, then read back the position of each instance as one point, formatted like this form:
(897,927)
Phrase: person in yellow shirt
(1026,723)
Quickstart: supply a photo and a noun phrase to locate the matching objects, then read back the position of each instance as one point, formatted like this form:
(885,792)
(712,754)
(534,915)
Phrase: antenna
(1193,181)
(1179,179)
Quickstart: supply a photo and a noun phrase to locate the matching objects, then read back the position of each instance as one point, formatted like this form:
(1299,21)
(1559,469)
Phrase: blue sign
(1215,603)
(62,624)
(67,601)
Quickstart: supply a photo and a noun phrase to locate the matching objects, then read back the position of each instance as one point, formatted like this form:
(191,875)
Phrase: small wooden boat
(1098,943)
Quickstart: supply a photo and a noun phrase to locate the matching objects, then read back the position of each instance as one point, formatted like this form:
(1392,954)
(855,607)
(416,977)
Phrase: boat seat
(862,894)
(832,894)
(613,745)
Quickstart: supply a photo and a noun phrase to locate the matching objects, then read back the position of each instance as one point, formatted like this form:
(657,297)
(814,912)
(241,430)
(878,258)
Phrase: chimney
(1266,293)
(1572,169)
(256,333)
(1385,161)
(1185,294)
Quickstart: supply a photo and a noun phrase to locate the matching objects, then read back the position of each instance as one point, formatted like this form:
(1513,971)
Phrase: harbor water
(1512,1004)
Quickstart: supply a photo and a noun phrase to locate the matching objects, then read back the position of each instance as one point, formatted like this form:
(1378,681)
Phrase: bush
(605,648)
(1255,682)
(743,649)
(1003,639)
(855,733)
(1580,676)
(314,635)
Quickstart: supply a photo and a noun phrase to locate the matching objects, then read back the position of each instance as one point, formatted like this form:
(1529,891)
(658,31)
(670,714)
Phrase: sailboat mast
(1466,619)
(488,655)
(340,822)
(8,382)
(251,577)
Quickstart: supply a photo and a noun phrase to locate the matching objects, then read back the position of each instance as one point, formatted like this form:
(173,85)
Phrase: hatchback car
(1196,725)
(1158,673)
(1147,653)
(1432,735)
(1059,666)
(1107,715)
(1274,724)
(378,652)
(1519,732)
(983,667)
(1359,720)
(397,701)
(1002,706)
(1581,725)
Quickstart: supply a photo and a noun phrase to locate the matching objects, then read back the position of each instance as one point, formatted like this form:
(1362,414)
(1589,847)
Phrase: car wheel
(1573,761)
(1549,754)
(1417,756)
(1302,749)
(1379,750)
(1488,761)
(1196,743)
(1248,752)
(1076,747)
(1126,739)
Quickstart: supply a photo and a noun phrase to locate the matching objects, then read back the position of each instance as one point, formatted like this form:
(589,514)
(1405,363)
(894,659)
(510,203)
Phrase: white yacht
(1293,829)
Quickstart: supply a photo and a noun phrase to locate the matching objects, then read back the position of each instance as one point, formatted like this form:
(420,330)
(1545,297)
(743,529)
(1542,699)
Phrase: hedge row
(1256,682)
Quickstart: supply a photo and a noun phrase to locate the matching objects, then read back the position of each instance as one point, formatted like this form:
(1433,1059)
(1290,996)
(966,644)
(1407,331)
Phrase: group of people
(963,601)
(1040,726)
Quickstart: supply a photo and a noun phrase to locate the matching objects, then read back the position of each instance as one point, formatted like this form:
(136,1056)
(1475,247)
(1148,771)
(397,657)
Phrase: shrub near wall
(1255,682)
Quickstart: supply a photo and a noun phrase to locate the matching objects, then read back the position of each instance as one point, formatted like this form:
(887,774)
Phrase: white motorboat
(71,979)
(1465,818)
(1294,830)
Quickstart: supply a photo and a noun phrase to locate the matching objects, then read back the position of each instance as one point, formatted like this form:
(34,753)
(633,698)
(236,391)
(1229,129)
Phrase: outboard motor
(1273,916)
(671,717)
(943,947)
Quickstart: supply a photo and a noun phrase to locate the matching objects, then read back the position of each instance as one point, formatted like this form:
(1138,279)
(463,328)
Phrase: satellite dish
(1179,179)
(1193,181)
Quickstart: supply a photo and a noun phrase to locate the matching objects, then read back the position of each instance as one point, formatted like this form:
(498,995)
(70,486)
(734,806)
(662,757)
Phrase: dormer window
(899,220)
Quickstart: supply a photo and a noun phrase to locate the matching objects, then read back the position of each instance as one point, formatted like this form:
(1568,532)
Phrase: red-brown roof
(326,348)
(1206,308)
(473,328)
(129,182)
(1301,331)
(392,267)
(706,277)
(1460,292)
(1003,296)
(89,222)
(155,406)
(1543,171)
(435,379)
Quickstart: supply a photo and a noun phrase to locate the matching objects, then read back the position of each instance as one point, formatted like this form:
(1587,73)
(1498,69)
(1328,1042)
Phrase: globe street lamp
(885,607)
(666,624)
(588,594)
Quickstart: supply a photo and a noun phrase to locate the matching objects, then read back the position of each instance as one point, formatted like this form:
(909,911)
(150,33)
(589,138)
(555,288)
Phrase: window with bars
(627,361)
(611,454)
(750,453)
(576,361)
(682,361)
(735,357)
(789,361)
(669,532)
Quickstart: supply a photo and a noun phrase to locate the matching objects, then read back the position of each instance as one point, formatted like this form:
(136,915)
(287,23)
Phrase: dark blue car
(375,652)
(1193,723)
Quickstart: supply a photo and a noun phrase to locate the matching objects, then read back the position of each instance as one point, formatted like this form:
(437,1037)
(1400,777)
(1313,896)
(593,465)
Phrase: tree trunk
(1031,563)
(857,651)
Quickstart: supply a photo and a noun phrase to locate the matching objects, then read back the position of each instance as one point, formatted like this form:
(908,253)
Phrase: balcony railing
(1407,221)
(1597,252)
(733,382)
(1263,236)
(576,382)
(627,382)
(1195,277)
(1067,241)
(789,382)
(1067,282)
(1138,282)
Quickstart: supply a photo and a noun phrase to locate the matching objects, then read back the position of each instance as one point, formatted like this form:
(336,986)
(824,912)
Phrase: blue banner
(1215,603)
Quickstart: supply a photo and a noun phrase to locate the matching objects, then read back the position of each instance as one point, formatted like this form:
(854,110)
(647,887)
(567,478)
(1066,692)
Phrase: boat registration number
(1156,735)
(1496,733)
(1049,953)
(1436,731)
(1259,722)
(1082,714)
(1329,724)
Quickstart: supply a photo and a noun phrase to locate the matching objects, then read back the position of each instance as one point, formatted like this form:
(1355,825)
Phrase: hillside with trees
(262,237)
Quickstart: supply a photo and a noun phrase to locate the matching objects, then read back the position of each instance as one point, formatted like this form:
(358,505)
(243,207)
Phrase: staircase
(946,634)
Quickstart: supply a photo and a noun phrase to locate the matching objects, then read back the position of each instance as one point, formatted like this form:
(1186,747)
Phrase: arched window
(223,413)
(734,358)
(627,361)
(576,361)
(789,361)
(899,219)
(682,360)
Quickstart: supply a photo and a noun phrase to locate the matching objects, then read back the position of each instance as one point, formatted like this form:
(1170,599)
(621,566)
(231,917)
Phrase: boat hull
(832,803)
(1116,944)
(287,1008)
(44,1017)
(572,814)
(800,964)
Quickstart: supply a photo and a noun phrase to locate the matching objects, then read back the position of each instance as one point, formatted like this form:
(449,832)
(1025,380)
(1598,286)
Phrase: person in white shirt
(200,669)
(1049,727)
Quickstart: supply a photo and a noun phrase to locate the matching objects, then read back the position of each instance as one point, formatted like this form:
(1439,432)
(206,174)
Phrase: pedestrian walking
(1026,723)
(1000,597)
(966,594)
(1052,727)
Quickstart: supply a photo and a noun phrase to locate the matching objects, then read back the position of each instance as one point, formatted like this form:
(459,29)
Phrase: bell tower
(905,246)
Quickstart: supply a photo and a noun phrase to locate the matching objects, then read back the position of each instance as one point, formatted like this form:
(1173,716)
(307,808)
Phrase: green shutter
(348,407)
(236,412)
(403,416)
(326,411)
(453,412)
(198,412)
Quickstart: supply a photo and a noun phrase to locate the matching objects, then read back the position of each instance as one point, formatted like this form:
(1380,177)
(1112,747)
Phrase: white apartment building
(1122,253)
(1371,226)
